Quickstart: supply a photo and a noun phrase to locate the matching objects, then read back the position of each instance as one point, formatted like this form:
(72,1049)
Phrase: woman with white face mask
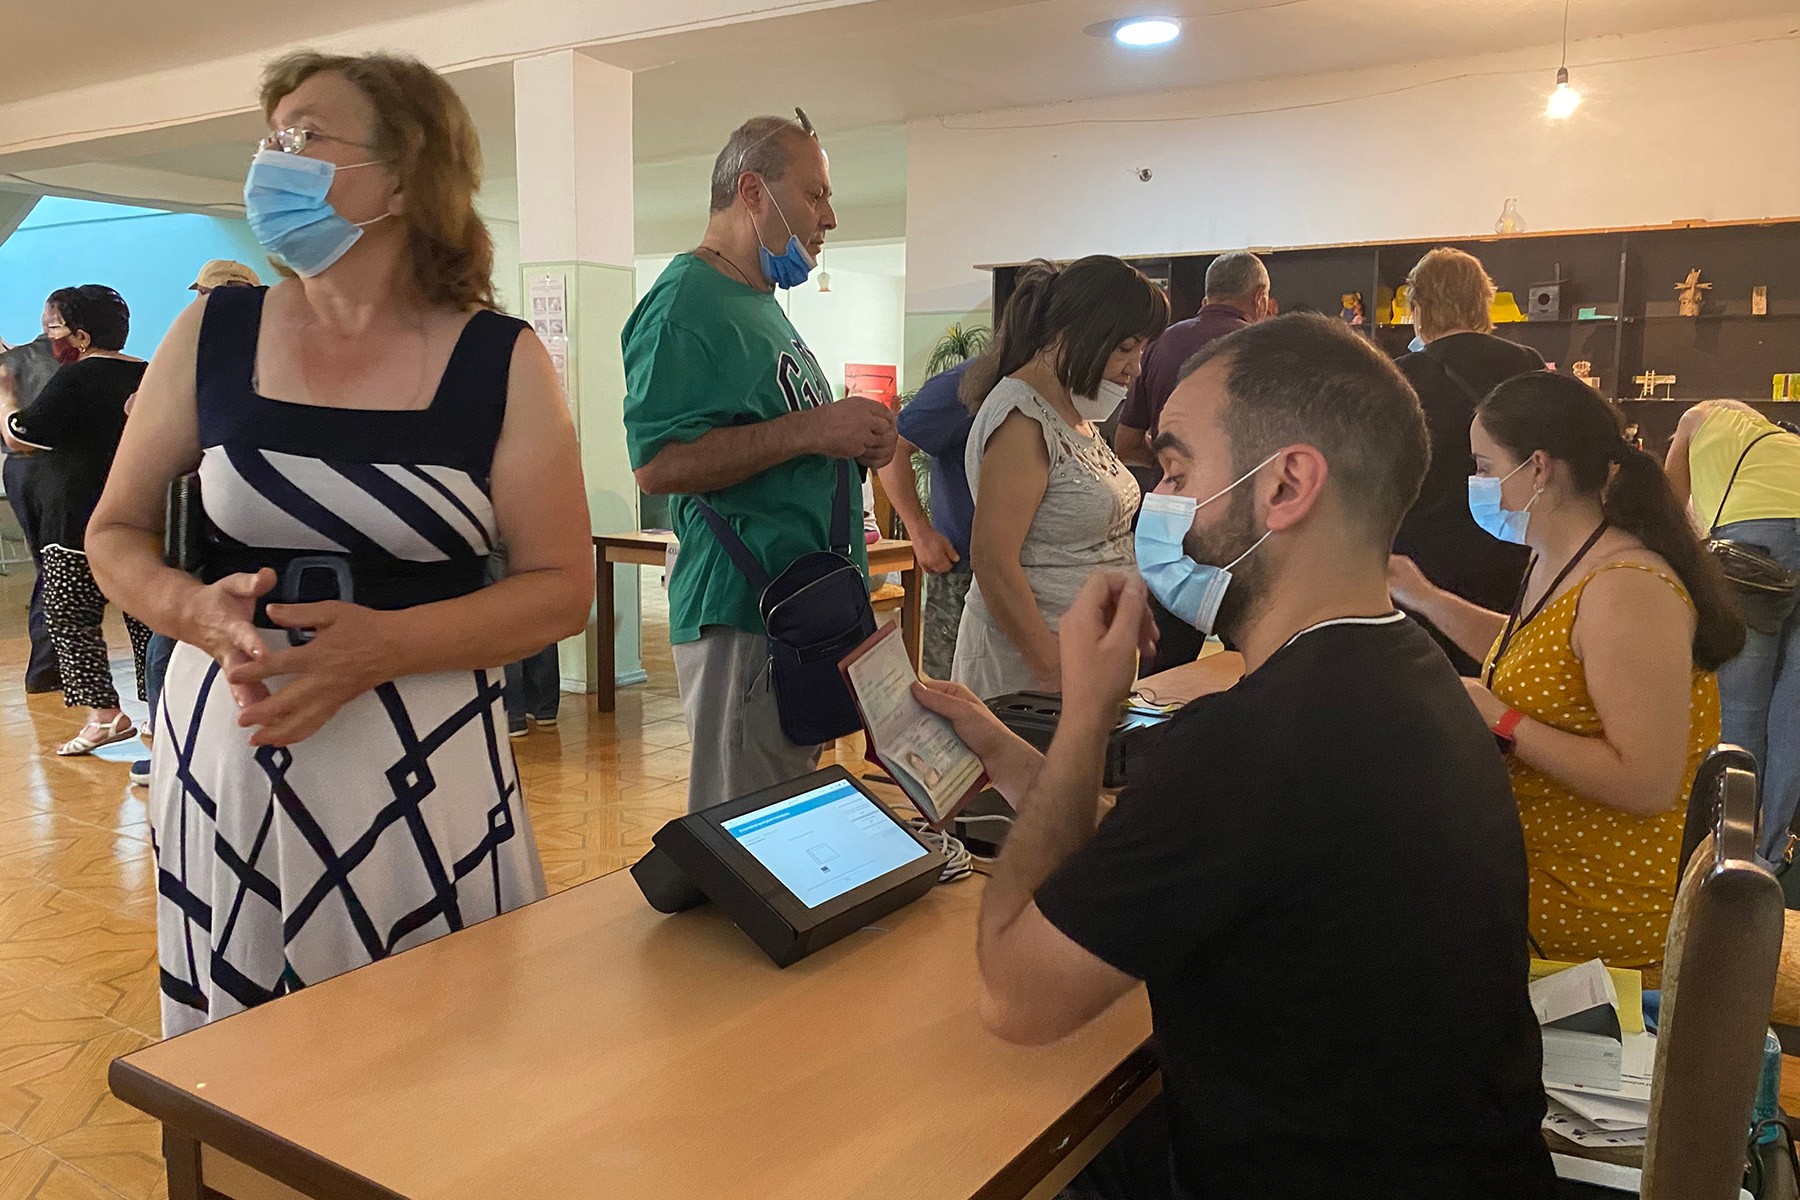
(1599,684)
(332,769)
(1052,500)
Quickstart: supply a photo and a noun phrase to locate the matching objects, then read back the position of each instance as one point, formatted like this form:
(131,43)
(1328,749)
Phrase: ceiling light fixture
(1564,99)
(1143,32)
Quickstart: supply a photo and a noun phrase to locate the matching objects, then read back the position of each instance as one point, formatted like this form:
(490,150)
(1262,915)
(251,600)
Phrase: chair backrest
(1703,800)
(1718,981)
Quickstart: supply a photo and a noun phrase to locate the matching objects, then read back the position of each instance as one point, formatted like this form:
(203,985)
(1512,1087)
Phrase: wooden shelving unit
(1628,276)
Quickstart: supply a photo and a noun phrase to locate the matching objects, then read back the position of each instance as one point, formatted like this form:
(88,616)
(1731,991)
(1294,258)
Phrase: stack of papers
(1596,1076)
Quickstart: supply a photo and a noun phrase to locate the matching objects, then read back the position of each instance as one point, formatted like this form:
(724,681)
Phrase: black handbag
(1766,591)
(815,611)
(186,534)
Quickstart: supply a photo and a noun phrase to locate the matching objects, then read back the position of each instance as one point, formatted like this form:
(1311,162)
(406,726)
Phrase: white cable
(958,862)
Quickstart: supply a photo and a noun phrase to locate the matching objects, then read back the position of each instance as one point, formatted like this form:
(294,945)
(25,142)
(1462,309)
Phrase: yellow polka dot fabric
(1602,880)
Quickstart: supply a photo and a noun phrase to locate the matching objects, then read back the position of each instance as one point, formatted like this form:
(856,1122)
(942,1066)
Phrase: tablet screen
(822,843)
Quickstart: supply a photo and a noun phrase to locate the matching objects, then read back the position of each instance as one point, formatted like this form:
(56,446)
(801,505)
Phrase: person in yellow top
(1759,690)
(1600,683)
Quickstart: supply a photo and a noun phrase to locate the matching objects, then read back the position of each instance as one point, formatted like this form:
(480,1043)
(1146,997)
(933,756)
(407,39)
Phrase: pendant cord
(1565,40)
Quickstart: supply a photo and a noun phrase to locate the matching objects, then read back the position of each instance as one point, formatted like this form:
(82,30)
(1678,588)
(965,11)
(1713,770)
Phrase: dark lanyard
(1513,623)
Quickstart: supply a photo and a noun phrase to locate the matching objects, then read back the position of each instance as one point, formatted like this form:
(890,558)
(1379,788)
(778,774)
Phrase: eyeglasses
(294,139)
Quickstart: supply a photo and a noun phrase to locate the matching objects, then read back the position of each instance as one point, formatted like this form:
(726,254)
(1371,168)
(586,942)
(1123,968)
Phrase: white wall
(858,320)
(1695,123)
(498,204)
(506,264)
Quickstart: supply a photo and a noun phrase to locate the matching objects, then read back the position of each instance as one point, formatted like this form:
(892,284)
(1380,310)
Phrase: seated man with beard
(1320,875)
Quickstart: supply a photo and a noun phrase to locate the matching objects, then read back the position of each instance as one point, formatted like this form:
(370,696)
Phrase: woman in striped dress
(332,781)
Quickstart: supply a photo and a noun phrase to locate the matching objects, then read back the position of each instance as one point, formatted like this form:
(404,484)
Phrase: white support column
(573,121)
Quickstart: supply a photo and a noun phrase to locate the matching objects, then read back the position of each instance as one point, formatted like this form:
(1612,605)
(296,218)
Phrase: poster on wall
(548,298)
(877,381)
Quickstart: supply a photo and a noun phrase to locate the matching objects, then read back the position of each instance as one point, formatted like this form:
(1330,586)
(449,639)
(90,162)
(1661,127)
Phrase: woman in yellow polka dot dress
(1600,683)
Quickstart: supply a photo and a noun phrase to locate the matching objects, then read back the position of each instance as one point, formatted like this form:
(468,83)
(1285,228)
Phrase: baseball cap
(222,271)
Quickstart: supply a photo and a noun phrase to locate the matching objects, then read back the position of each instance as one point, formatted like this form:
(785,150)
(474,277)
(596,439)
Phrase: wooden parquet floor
(78,901)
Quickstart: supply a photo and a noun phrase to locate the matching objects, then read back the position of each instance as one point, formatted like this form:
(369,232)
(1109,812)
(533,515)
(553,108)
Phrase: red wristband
(1504,727)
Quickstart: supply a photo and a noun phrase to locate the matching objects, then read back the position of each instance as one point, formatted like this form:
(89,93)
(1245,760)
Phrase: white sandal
(117,730)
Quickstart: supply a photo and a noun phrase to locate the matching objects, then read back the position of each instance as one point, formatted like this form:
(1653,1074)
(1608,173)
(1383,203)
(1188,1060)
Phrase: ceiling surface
(860,70)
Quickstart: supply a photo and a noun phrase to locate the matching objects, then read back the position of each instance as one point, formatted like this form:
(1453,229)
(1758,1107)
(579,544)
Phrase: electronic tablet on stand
(796,866)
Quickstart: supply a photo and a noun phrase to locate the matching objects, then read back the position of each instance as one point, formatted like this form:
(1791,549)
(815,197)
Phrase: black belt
(307,577)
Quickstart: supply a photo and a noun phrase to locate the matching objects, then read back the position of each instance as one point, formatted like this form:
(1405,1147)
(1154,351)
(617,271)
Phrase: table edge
(1034,1164)
(631,541)
(306,1171)
(284,1161)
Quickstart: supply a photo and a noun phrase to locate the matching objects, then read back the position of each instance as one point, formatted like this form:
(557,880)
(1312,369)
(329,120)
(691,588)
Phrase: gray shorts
(734,728)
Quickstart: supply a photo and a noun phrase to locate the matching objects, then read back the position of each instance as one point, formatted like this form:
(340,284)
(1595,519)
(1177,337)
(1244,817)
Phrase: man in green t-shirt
(725,402)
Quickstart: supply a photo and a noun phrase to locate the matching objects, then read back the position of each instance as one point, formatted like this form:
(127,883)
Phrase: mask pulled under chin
(1103,403)
(793,265)
(788,269)
(65,350)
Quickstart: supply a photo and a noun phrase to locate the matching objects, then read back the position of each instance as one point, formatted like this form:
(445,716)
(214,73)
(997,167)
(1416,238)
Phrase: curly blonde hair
(1451,292)
(426,136)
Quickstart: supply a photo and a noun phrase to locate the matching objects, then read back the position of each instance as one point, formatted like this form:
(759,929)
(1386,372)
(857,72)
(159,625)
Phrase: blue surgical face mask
(793,265)
(1417,344)
(284,202)
(1484,506)
(1192,591)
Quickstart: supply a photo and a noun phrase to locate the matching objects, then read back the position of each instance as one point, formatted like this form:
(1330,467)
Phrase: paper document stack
(1596,1075)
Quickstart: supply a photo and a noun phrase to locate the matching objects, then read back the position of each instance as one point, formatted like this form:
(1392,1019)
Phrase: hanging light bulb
(1564,99)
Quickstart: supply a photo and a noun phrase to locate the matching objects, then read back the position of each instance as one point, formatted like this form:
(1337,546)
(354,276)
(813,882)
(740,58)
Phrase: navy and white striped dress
(400,820)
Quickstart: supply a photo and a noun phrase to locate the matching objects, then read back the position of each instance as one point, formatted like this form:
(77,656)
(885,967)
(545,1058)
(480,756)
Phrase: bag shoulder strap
(739,553)
(840,510)
(734,546)
(1713,532)
(1454,376)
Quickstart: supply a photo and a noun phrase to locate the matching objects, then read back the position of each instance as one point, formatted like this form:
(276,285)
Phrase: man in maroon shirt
(1237,294)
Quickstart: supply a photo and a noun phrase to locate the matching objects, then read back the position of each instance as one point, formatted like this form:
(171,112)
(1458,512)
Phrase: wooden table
(587,1046)
(650,548)
(1214,671)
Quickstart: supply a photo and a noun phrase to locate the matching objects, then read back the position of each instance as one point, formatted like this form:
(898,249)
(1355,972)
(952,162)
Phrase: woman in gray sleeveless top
(1053,503)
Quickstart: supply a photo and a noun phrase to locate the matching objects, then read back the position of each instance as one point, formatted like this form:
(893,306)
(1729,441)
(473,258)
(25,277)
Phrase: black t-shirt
(1322,880)
(77,420)
(1439,534)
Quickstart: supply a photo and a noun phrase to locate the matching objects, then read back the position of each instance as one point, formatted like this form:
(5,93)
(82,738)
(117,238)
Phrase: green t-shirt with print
(704,351)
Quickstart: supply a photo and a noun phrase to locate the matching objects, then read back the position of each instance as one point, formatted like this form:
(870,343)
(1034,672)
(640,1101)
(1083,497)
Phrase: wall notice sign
(547,296)
(877,381)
